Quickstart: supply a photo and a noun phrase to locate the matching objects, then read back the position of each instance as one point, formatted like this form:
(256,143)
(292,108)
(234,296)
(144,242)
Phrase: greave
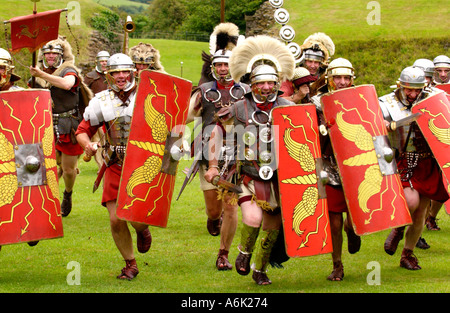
(264,247)
(249,235)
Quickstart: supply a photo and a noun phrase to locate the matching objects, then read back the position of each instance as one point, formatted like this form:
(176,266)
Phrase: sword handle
(215,180)
(87,158)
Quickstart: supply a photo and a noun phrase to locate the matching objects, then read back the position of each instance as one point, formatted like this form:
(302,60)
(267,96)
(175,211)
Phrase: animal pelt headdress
(68,60)
(224,36)
(262,49)
(147,54)
(322,42)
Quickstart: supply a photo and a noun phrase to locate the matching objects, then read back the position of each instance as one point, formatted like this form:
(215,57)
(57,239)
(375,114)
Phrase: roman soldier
(317,49)
(267,62)
(96,79)
(339,74)
(57,72)
(113,108)
(429,69)
(7,77)
(441,69)
(420,174)
(298,89)
(145,56)
(212,95)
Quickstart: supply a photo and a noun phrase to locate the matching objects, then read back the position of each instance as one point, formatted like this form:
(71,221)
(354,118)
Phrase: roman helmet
(263,58)
(220,56)
(411,78)
(60,46)
(426,65)
(145,53)
(120,62)
(5,61)
(339,67)
(318,47)
(101,56)
(439,62)
(302,76)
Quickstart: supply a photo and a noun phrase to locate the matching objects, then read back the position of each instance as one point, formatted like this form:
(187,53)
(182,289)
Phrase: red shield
(445,87)
(434,123)
(148,175)
(29,192)
(371,184)
(304,211)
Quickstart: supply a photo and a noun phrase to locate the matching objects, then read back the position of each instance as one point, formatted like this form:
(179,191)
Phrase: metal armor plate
(29,194)
(303,203)
(148,175)
(375,196)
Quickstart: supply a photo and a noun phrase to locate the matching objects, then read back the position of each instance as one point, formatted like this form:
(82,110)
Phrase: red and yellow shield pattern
(445,87)
(148,174)
(434,123)
(305,214)
(29,194)
(375,198)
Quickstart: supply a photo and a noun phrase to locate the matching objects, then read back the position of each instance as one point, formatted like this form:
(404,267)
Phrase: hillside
(408,30)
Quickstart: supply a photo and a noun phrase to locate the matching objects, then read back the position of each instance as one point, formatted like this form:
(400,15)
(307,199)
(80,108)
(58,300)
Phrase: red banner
(33,31)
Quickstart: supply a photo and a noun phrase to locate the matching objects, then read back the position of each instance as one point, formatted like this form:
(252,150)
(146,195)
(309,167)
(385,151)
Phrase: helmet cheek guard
(120,62)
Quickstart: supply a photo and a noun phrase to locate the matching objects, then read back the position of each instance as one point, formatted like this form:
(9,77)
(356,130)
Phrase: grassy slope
(408,30)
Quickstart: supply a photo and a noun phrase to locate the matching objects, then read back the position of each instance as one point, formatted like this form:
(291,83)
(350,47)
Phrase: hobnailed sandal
(353,240)
(144,240)
(214,226)
(222,262)
(261,278)
(394,237)
(431,224)
(409,260)
(242,263)
(338,272)
(130,270)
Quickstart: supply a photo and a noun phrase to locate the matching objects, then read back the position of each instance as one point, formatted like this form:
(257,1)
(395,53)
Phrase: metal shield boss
(434,123)
(371,183)
(154,148)
(301,181)
(29,194)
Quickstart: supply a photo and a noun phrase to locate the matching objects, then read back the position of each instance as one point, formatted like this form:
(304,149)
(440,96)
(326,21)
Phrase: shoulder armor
(392,108)
(105,107)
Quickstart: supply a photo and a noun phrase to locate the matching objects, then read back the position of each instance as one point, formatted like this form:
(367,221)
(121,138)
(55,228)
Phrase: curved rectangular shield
(434,123)
(367,167)
(148,174)
(29,194)
(444,87)
(303,203)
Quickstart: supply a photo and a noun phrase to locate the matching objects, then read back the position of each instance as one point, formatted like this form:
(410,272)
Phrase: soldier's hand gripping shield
(434,123)
(301,181)
(366,163)
(150,164)
(29,194)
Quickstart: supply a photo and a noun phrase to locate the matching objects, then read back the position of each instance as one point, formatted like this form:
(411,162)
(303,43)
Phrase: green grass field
(182,257)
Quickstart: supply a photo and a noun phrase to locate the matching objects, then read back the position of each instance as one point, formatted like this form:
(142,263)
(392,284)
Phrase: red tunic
(111,178)
(426,178)
(64,142)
